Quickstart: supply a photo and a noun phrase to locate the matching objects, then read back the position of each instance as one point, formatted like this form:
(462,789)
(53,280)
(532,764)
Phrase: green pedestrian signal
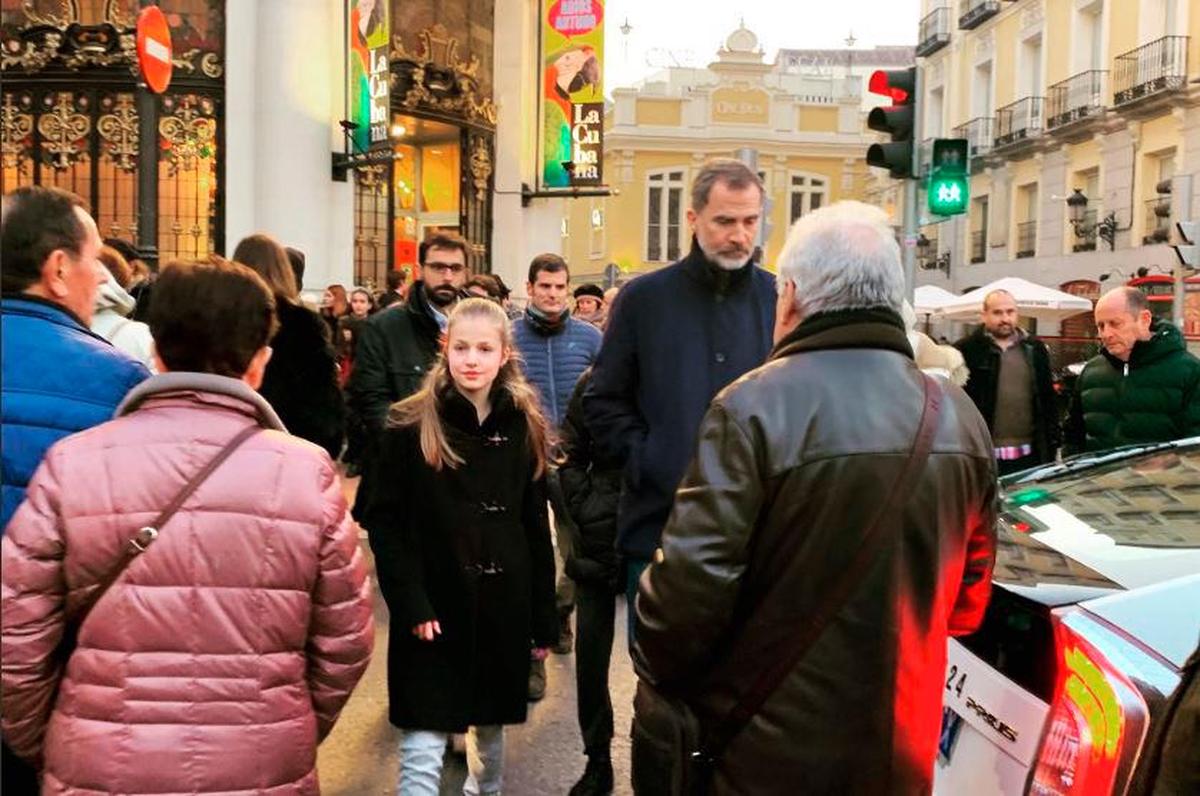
(949,186)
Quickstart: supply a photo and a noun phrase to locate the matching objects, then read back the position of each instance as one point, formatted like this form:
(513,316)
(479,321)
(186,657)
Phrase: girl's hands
(426,631)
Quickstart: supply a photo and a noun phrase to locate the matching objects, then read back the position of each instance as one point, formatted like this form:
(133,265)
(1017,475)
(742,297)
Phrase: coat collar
(460,413)
(202,388)
(1165,339)
(421,312)
(37,306)
(714,277)
(870,328)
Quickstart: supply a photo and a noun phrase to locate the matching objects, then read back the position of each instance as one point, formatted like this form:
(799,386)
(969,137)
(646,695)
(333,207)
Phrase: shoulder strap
(804,637)
(147,534)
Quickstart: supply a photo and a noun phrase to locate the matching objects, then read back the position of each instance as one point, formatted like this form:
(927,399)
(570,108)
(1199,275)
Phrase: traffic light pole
(910,190)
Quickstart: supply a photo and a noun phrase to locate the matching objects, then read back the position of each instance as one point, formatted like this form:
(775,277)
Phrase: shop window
(371,226)
(440,170)
(664,215)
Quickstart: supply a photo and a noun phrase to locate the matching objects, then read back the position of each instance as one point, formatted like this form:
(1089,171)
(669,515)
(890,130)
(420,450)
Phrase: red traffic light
(894,83)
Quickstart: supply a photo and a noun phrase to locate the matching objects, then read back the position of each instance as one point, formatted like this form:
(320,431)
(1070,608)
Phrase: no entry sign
(154,48)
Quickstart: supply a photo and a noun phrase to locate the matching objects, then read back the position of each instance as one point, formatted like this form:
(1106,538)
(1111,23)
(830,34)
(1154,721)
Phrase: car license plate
(951,724)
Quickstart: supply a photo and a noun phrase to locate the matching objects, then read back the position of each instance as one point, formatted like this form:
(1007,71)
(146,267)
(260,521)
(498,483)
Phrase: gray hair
(733,173)
(843,257)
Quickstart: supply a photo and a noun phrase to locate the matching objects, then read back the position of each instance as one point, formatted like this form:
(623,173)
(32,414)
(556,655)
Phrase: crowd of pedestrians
(186,605)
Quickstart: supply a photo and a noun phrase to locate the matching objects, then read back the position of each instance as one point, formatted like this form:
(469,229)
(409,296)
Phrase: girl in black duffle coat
(461,537)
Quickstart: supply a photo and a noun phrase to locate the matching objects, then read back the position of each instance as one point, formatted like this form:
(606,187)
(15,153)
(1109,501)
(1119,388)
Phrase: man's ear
(258,367)
(53,280)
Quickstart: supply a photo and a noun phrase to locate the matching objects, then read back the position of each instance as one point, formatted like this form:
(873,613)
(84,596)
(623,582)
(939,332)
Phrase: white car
(1095,609)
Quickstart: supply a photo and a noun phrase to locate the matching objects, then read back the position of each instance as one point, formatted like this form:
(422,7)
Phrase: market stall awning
(1033,301)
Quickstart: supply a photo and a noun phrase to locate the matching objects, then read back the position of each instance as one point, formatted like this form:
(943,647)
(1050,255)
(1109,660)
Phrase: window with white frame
(808,192)
(664,215)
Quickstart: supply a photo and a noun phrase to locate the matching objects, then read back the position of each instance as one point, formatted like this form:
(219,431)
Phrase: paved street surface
(544,756)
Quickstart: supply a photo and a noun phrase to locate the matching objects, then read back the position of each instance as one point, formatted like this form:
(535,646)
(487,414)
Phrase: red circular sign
(154,48)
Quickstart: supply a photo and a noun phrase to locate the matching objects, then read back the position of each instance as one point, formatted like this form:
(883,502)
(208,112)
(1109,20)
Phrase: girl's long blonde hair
(422,408)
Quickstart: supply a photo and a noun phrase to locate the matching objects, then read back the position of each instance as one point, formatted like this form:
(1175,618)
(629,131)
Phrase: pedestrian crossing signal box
(949,183)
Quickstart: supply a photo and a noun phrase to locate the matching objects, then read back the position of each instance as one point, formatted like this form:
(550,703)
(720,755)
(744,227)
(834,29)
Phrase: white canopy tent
(928,299)
(1033,301)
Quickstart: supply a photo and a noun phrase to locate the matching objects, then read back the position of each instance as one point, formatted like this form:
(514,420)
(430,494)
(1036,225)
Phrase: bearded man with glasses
(397,348)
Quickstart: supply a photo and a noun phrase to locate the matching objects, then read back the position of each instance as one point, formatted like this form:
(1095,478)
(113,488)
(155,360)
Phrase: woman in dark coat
(301,379)
(459,528)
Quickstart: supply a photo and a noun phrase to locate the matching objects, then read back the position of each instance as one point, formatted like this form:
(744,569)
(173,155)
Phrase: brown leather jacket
(809,444)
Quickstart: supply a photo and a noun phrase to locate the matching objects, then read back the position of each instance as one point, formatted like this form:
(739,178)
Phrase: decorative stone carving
(436,78)
(63,131)
(119,132)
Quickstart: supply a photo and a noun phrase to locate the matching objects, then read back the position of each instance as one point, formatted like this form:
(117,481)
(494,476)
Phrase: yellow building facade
(1095,100)
(804,135)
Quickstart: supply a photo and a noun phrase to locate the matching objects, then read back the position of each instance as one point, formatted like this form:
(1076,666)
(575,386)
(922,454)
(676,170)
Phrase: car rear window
(1151,500)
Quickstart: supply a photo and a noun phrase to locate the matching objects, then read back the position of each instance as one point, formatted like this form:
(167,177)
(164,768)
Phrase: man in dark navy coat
(674,339)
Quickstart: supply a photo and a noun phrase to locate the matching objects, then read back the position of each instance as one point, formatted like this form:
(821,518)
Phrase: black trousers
(18,777)
(595,618)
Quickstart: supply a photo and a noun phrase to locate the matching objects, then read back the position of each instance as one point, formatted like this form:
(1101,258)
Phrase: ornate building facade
(69,116)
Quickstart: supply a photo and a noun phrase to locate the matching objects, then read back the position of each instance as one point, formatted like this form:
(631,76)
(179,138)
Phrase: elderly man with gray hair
(834,527)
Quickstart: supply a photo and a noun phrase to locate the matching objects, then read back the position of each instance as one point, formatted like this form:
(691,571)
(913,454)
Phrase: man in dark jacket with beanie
(1143,386)
(397,348)
(675,337)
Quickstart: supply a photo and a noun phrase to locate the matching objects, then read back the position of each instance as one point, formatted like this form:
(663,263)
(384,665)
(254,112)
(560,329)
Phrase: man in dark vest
(1143,386)
(1012,386)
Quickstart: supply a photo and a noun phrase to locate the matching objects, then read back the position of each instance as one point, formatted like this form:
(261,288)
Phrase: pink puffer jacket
(225,652)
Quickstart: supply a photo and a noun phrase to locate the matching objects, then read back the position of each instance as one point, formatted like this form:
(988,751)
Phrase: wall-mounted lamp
(930,260)
(1106,229)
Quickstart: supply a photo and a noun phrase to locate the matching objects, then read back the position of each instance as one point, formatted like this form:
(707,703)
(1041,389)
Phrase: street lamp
(925,252)
(1106,228)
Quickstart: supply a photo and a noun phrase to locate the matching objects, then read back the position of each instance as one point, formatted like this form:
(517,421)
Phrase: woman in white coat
(113,307)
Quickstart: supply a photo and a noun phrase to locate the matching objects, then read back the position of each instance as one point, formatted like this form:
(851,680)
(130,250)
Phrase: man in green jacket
(1143,386)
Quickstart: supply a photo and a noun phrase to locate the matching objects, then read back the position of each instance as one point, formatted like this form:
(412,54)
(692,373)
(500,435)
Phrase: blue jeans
(634,567)
(421,753)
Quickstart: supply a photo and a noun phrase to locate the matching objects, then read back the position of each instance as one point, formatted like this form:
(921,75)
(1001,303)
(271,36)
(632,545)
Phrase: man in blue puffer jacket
(555,349)
(58,376)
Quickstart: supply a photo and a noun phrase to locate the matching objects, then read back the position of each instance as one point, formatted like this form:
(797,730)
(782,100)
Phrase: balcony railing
(934,32)
(1019,121)
(1026,239)
(1151,69)
(974,13)
(978,133)
(978,246)
(1078,97)
(1085,241)
(1158,221)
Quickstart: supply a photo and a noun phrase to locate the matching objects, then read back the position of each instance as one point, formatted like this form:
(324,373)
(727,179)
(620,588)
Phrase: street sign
(154,48)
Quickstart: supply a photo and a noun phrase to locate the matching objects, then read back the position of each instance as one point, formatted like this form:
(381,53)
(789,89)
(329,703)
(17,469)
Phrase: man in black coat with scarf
(1012,386)
(675,338)
(397,348)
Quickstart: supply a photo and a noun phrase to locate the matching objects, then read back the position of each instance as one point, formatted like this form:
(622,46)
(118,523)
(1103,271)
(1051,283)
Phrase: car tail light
(1096,724)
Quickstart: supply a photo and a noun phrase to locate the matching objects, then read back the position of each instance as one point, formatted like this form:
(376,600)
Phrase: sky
(690,31)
